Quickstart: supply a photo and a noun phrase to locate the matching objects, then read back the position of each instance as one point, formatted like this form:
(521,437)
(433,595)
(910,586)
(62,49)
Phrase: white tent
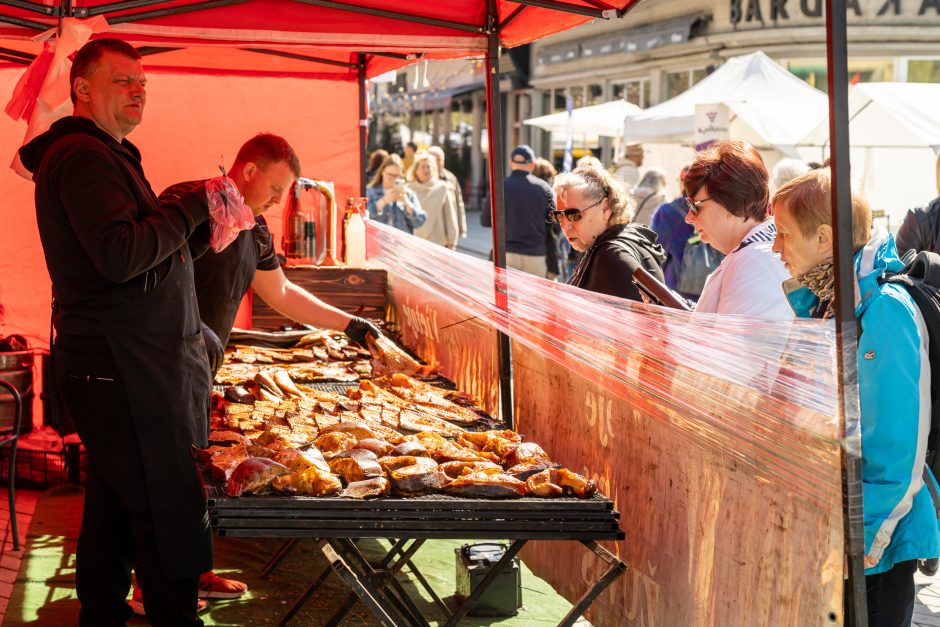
(894,133)
(603,120)
(770,108)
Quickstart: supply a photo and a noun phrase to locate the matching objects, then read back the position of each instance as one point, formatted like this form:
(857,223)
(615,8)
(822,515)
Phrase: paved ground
(479,240)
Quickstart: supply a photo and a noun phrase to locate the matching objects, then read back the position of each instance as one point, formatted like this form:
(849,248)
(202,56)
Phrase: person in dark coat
(129,356)
(594,210)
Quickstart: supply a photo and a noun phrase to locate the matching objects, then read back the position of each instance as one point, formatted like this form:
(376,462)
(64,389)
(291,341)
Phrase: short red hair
(734,174)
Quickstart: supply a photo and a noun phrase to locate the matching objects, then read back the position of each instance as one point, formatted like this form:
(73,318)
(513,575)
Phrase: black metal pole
(497,157)
(846,332)
(363,123)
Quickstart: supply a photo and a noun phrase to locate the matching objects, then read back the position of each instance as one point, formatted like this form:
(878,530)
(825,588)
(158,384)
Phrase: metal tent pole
(846,331)
(363,123)
(494,127)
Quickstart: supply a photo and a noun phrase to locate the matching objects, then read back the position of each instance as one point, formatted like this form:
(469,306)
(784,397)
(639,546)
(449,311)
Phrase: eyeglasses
(571,215)
(694,206)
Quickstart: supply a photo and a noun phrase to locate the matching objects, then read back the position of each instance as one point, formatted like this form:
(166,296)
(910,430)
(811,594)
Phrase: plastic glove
(214,348)
(359,328)
(228,213)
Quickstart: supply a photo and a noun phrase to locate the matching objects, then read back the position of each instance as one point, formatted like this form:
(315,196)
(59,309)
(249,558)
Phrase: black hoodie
(608,266)
(103,237)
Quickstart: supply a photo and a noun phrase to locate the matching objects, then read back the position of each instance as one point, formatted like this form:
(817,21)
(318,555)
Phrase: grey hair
(654,179)
(595,184)
(786,170)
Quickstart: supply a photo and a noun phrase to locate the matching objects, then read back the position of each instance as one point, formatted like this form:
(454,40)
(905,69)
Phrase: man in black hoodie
(129,355)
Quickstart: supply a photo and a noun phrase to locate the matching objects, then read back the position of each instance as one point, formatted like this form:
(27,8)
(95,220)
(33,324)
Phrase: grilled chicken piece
(356,465)
(453,470)
(310,482)
(356,429)
(331,444)
(526,459)
(486,483)
(381,448)
(443,450)
(366,489)
(388,356)
(558,481)
(421,477)
(254,476)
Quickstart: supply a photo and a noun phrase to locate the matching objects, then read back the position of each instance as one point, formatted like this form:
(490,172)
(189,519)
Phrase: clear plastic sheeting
(761,395)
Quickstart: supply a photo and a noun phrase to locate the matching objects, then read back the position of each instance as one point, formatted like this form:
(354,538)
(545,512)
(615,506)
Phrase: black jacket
(920,229)
(528,201)
(608,266)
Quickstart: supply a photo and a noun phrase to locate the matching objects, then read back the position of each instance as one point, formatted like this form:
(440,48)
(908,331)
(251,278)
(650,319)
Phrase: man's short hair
(265,149)
(87,58)
(412,145)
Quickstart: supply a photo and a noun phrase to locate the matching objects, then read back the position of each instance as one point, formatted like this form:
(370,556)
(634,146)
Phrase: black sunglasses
(694,206)
(571,215)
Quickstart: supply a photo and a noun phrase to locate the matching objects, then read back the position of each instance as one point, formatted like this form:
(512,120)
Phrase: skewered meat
(557,481)
(254,475)
(366,489)
(486,483)
(356,465)
(310,482)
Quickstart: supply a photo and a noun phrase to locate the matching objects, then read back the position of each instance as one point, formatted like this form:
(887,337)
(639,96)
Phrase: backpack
(698,261)
(921,279)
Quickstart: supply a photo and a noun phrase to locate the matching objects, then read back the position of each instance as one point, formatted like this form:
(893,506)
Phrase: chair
(11,438)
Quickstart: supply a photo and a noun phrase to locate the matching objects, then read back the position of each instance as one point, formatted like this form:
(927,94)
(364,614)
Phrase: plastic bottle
(355,233)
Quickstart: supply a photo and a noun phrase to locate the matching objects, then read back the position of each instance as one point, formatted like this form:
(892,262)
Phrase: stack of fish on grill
(394,435)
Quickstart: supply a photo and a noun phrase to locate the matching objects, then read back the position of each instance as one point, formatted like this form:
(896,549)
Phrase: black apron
(222,280)
(161,355)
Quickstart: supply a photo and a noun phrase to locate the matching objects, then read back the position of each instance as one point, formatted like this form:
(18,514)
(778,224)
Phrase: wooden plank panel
(357,291)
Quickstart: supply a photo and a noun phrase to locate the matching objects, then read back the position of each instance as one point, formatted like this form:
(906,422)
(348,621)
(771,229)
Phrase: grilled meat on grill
(366,489)
(486,483)
(558,481)
(412,476)
(381,448)
(356,465)
(254,475)
(310,482)
(525,459)
(389,357)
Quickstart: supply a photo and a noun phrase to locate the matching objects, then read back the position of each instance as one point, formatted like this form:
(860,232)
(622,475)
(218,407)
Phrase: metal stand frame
(376,586)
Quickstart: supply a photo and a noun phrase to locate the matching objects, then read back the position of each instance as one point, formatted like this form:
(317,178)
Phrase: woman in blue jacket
(893,380)
(389,200)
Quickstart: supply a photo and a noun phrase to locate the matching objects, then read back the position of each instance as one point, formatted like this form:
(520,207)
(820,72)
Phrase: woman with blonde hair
(901,525)
(442,226)
(595,211)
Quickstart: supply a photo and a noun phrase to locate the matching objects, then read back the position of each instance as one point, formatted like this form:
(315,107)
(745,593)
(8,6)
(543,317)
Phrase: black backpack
(921,278)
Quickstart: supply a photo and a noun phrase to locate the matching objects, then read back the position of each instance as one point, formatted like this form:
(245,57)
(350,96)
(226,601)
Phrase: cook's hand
(214,348)
(359,328)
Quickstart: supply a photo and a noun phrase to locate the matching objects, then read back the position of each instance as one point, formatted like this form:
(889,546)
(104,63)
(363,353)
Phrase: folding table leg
(336,552)
(616,569)
(278,556)
(427,588)
(491,576)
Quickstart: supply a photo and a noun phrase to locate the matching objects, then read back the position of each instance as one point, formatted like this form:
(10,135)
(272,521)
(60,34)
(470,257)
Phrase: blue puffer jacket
(894,391)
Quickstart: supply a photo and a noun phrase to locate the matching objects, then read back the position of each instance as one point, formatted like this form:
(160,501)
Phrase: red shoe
(137,602)
(211,586)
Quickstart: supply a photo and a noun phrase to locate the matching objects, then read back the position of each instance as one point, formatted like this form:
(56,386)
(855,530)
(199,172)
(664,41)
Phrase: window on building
(595,94)
(559,99)
(923,71)
(678,82)
(577,96)
(636,91)
(814,71)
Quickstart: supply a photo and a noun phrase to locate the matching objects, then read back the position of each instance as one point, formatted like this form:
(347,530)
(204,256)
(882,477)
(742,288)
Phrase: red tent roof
(314,38)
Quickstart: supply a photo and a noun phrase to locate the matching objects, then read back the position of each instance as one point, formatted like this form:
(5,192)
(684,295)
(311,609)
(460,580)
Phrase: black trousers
(117,525)
(891,596)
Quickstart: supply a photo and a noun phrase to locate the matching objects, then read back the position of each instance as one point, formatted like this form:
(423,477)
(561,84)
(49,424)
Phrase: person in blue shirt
(389,200)
(893,381)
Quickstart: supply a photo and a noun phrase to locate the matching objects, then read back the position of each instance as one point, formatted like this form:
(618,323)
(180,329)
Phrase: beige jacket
(437,200)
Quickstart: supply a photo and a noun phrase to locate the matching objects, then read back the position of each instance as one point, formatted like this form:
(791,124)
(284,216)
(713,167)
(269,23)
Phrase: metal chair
(11,438)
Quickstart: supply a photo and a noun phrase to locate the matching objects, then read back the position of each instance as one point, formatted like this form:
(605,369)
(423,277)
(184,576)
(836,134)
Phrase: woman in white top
(434,194)
(727,198)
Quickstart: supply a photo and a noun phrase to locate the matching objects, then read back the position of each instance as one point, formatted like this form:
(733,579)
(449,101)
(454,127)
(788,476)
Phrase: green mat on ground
(44,592)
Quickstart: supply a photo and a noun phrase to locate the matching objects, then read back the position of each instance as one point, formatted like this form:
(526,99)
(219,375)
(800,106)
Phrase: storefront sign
(712,122)
(755,12)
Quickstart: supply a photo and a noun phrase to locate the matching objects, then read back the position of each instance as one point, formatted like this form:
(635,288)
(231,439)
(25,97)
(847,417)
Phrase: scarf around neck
(820,281)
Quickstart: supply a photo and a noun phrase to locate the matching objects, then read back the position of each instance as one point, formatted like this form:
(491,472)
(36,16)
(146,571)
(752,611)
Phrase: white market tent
(770,107)
(602,120)
(894,134)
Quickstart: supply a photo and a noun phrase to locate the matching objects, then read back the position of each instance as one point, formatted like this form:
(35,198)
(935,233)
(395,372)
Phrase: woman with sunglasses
(726,197)
(595,210)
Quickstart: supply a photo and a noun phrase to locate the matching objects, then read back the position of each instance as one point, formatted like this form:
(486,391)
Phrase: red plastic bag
(228,214)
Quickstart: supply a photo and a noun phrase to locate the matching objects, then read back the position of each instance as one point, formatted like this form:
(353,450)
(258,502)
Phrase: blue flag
(568,160)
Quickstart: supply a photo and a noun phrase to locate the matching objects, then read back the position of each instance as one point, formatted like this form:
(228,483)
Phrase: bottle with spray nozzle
(354,233)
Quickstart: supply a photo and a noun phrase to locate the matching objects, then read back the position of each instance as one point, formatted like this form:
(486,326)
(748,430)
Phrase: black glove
(359,328)
(214,348)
